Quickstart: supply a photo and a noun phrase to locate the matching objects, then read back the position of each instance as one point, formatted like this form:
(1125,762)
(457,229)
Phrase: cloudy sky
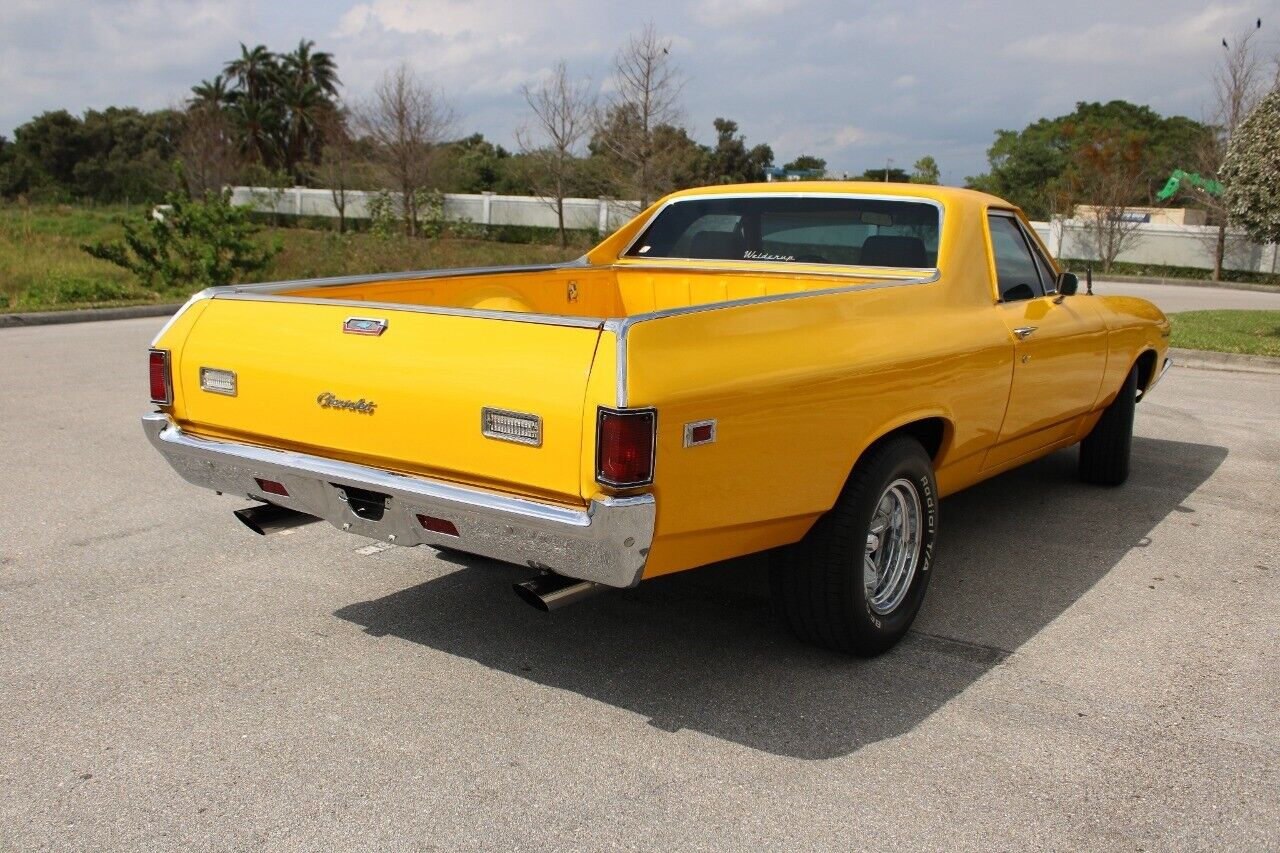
(854,82)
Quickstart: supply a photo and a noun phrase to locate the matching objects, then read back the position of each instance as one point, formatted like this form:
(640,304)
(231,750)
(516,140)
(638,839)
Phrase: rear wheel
(1105,451)
(855,583)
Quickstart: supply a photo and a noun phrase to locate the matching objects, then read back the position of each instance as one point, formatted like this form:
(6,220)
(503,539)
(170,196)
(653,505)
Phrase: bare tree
(406,120)
(645,96)
(209,150)
(562,113)
(340,163)
(1106,176)
(1239,83)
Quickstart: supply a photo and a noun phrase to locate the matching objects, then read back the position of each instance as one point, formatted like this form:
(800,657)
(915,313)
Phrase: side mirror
(1068,283)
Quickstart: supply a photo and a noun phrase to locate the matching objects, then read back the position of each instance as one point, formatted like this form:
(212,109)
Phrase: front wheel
(855,583)
(1105,451)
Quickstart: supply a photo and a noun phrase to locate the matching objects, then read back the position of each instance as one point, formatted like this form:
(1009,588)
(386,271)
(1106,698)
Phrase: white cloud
(732,13)
(853,83)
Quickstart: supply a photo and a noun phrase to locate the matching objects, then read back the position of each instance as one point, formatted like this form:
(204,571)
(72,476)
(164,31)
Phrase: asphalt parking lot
(1093,668)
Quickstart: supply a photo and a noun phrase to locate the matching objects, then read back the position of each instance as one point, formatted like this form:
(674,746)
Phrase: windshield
(850,230)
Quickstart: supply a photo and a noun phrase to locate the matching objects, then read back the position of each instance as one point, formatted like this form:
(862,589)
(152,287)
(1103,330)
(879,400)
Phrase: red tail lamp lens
(161,381)
(438,525)
(624,447)
(271,487)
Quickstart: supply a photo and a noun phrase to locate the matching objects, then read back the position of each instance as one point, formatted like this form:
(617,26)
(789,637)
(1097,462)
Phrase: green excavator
(1179,177)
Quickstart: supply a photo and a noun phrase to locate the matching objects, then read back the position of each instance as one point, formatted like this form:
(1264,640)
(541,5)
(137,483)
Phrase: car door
(1060,344)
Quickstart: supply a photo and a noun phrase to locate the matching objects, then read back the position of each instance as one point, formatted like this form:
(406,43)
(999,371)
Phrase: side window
(1047,276)
(1016,274)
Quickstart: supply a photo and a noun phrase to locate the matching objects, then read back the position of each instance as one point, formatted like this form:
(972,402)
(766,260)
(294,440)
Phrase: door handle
(1024,332)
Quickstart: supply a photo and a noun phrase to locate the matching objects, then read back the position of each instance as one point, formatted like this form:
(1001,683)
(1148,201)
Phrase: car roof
(945,195)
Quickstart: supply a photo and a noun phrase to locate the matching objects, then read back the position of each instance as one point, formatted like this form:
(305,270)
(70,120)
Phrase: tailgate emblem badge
(329,400)
(364,326)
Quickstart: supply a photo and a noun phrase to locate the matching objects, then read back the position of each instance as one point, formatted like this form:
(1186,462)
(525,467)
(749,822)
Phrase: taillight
(624,447)
(161,377)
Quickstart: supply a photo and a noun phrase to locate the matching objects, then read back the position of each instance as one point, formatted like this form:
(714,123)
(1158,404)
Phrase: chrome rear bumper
(608,542)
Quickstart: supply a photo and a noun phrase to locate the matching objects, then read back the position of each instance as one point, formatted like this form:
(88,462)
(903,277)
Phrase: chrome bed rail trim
(479,313)
(607,542)
(621,326)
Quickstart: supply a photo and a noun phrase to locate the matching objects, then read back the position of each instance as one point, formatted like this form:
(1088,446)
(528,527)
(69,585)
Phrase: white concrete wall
(1166,245)
(596,214)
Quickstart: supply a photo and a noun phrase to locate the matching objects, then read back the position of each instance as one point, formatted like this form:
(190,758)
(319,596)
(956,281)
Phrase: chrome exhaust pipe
(550,591)
(264,519)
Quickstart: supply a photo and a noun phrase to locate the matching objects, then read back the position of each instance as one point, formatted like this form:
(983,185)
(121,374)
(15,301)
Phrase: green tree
(1028,167)
(892,175)
(925,171)
(806,163)
(1251,171)
(192,244)
(731,162)
(108,155)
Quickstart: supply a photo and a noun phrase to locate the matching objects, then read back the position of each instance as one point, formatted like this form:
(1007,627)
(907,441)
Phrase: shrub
(1251,172)
(188,245)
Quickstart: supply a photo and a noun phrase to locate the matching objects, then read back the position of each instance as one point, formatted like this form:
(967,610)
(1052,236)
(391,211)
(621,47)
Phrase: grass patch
(43,268)
(1247,332)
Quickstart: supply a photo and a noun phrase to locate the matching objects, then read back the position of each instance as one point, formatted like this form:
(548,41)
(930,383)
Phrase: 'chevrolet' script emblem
(362,406)
(364,326)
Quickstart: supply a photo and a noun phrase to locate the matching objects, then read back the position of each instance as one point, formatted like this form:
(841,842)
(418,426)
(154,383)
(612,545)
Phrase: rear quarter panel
(799,388)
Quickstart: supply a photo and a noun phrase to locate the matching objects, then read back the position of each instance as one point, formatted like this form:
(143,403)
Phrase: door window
(1016,273)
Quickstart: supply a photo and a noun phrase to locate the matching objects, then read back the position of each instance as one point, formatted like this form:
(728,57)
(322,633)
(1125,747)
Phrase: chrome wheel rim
(893,547)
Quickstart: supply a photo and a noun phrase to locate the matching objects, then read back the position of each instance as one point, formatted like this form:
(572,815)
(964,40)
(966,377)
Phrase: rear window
(848,230)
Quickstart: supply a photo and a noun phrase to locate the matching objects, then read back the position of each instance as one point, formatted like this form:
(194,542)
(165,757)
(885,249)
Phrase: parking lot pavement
(1172,298)
(1093,668)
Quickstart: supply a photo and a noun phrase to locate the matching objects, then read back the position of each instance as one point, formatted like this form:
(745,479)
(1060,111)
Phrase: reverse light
(217,381)
(625,447)
(511,426)
(161,376)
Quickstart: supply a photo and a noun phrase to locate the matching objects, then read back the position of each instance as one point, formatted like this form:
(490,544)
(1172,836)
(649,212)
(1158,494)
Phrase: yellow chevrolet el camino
(804,368)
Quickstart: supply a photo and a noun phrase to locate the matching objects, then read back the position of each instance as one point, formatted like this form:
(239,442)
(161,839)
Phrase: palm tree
(258,123)
(211,93)
(304,103)
(255,71)
(317,68)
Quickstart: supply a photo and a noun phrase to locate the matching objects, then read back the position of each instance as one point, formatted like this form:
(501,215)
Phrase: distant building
(1152,215)
(777,173)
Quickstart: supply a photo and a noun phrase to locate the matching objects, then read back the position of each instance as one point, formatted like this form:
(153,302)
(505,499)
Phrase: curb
(86,315)
(1185,282)
(1237,362)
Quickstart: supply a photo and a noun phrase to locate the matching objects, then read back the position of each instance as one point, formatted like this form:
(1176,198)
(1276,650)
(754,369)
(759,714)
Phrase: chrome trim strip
(623,255)
(607,542)
(484,314)
(621,326)
(341,281)
(207,293)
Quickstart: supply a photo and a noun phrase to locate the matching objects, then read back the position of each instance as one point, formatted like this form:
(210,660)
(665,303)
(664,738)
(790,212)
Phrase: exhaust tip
(529,595)
(265,519)
(550,591)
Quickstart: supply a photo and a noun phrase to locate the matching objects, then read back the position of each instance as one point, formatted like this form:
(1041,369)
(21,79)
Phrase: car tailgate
(424,382)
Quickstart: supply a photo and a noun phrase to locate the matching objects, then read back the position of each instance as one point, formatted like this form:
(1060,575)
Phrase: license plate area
(364,504)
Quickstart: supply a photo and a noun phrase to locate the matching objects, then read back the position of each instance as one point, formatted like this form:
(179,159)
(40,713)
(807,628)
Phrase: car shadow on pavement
(701,650)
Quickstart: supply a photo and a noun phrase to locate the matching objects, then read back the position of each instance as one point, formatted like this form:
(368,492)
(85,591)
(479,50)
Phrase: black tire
(1104,453)
(817,584)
